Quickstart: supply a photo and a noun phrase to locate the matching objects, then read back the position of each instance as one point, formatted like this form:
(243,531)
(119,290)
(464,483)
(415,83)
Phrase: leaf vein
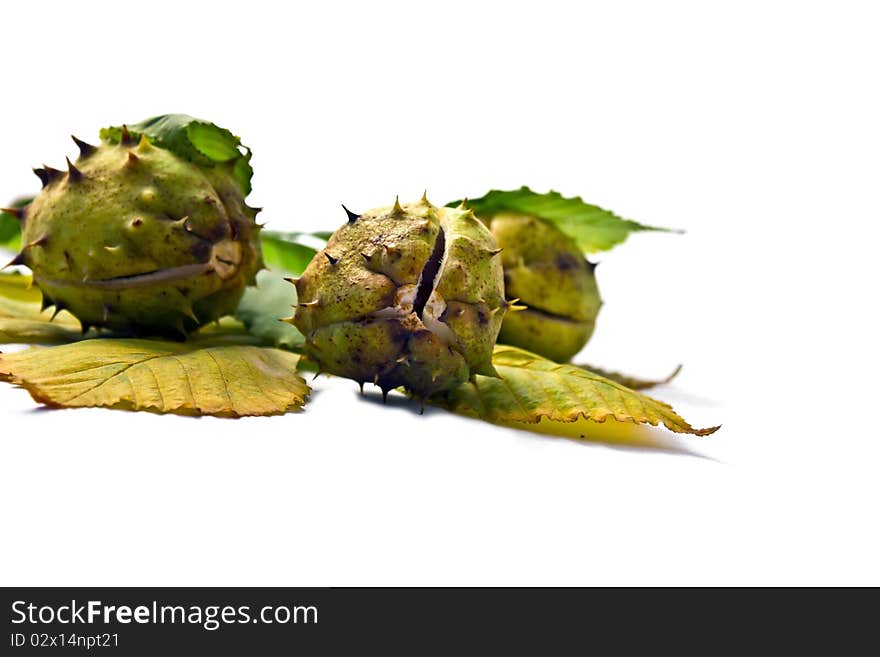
(110,378)
(210,353)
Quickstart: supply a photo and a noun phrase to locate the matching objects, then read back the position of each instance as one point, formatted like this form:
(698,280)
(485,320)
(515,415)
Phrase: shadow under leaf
(610,433)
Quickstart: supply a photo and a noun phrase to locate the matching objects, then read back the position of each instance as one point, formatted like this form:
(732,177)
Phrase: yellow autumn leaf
(18,287)
(162,377)
(21,319)
(530,388)
(21,325)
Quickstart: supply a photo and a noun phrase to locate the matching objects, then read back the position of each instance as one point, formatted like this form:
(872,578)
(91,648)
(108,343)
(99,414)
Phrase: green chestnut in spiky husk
(407,295)
(135,238)
(546,271)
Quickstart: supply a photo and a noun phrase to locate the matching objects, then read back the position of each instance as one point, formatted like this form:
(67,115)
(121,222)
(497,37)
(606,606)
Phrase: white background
(754,126)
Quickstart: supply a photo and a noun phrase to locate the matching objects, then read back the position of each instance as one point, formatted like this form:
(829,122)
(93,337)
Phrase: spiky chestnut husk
(408,296)
(546,271)
(136,239)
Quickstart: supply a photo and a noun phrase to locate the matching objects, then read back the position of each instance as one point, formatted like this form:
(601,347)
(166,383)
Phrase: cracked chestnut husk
(405,296)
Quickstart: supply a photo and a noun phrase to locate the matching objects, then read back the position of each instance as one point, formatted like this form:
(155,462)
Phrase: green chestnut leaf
(593,228)
(10,225)
(201,142)
(286,251)
(262,308)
